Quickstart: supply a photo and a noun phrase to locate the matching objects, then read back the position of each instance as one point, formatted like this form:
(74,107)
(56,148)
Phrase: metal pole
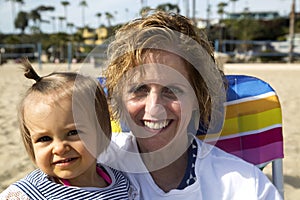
(208,16)
(69,55)
(292,32)
(194,12)
(187,8)
(39,49)
(277,176)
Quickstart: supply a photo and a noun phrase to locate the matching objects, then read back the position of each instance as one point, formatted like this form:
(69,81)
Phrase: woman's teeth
(157,125)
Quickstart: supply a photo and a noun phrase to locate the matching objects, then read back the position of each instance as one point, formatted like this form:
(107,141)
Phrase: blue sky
(124,10)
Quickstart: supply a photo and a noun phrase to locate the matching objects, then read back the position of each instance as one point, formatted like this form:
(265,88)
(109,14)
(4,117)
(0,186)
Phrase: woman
(162,80)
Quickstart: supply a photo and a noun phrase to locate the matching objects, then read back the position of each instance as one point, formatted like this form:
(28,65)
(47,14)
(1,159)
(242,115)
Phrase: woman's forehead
(158,73)
(161,65)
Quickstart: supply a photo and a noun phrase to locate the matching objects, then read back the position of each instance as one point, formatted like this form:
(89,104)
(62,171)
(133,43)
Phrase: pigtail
(29,72)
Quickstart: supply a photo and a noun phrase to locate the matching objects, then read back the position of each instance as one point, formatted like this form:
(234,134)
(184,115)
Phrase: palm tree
(98,15)
(35,16)
(233,5)
(20,3)
(168,7)
(83,4)
(145,10)
(21,21)
(65,4)
(42,9)
(208,9)
(127,11)
(109,17)
(53,18)
(70,26)
(221,10)
(61,19)
(13,11)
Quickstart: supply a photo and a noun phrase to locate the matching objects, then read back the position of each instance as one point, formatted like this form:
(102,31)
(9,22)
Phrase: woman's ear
(195,104)
(194,122)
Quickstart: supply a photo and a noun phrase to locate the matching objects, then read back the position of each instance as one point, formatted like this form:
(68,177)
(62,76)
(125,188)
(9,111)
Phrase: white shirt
(219,175)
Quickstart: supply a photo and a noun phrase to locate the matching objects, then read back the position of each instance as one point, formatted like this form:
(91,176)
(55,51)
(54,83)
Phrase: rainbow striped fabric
(253,123)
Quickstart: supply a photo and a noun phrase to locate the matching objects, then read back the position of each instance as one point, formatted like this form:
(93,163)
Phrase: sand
(284,78)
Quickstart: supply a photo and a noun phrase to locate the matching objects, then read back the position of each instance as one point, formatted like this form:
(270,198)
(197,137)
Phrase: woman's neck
(170,177)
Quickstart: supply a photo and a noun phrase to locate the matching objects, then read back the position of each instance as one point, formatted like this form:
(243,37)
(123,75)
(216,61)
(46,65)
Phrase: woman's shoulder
(217,155)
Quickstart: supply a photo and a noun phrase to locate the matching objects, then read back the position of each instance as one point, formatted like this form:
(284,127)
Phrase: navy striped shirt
(37,185)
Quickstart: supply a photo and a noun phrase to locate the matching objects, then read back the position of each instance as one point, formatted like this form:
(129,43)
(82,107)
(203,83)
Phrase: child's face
(57,142)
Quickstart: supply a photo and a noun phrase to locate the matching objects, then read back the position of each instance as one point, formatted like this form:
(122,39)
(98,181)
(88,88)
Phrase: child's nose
(60,147)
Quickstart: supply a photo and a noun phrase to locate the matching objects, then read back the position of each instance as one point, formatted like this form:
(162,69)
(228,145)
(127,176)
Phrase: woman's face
(159,101)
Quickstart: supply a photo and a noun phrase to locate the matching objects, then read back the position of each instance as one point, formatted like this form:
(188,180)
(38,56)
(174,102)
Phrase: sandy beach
(284,78)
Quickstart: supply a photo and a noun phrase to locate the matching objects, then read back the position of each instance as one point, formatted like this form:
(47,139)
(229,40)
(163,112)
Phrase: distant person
(162,80)
(65,124)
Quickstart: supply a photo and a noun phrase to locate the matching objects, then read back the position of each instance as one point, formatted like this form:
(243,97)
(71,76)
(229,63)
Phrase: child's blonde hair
(58,85)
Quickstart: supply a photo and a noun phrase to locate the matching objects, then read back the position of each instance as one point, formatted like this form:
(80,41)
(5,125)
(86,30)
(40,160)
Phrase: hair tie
(29,72)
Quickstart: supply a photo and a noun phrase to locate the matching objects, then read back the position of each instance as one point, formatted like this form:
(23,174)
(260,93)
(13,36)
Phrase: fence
(245,50)
(16,51)
(248,49)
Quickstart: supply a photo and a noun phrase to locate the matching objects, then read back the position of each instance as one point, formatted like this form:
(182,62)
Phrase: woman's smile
(156,125)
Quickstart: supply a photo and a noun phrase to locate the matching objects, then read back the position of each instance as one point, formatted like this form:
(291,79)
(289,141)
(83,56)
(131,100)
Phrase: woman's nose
(154,105)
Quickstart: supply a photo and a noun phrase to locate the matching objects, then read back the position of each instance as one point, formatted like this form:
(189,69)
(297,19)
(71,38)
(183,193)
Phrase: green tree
(61,19)
(20,3)
(21,21)
(233,5)
(53,18)
(42,9)
(221,9)
(98,15)
(145,10)
(83,4)
(168,7)
(13,10)
(65,4)
(109,17)
(35,16)
(70,26)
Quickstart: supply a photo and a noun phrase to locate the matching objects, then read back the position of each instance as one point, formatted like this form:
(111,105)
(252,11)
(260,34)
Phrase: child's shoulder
(13,192)
(17,189)
(112,172)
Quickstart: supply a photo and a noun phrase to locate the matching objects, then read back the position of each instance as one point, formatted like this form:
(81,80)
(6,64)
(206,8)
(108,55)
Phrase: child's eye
(44,139)
(73,132)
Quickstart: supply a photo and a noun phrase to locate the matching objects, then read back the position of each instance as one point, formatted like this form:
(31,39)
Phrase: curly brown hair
(170,32)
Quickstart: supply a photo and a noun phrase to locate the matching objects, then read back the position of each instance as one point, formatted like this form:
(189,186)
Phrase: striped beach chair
(253,125)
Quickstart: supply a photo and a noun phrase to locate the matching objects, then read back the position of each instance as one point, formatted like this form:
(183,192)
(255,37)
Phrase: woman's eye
(172,92)
(73,132)
(44,139)
(140,90)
